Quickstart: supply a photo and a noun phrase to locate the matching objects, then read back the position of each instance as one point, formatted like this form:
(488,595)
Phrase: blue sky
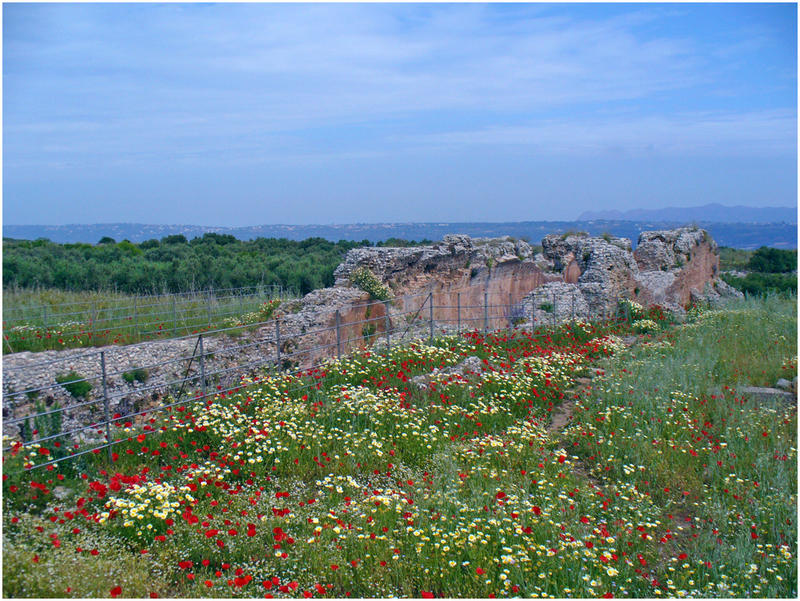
(237,114)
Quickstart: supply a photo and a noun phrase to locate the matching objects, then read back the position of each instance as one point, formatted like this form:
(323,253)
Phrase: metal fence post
(387,327)
(430,301)
(278,343)
(208,305)
(338,336)
(573,306)
(135,319)
(174,317)
(202,366)
(554,308)
(533,313)
(485,311)
(105,403)
(458,303)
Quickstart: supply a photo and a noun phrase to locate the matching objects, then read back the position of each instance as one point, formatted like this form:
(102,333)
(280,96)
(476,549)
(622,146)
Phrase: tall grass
(55,319)
(669,416)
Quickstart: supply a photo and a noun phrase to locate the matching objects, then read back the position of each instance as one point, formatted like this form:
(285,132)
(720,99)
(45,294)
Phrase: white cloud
(248,82)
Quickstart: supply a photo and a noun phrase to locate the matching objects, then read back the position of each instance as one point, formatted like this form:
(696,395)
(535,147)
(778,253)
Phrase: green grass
(668,416)
(55,319)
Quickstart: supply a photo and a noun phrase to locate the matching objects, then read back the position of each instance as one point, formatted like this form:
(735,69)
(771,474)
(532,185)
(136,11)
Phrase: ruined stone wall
(585,274)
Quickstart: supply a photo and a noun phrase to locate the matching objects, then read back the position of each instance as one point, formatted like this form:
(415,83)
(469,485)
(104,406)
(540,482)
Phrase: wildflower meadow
(584,460)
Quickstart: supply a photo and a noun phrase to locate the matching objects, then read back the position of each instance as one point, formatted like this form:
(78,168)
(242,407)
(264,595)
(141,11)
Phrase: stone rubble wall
(672,268)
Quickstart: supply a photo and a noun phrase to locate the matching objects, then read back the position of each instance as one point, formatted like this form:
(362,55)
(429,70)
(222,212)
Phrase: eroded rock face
(400,264)
(459,271)
(602,267)
(672,268)
(667,249)
(673,264)
(556,301)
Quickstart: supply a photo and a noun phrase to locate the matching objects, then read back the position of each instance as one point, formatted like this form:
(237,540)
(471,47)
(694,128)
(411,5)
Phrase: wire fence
(106,321)
(82,412)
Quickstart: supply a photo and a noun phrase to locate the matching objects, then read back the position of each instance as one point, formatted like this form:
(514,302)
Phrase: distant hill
(714,212)
(737,235)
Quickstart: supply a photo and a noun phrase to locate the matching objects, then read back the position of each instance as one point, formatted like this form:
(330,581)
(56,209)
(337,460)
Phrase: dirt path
(563,413)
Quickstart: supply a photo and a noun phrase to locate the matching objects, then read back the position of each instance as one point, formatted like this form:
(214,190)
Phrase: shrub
(759,284)
(75,384)
(773,260)
(139,375)
(546,307)
(364,279)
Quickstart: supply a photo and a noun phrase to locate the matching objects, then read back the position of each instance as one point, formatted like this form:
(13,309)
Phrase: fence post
(105,403)
(430,302)
(387,326)
(278,343)
(485,311)
(573,306)
(338,336)
(44,315)
(533,313)
(554,308)
(202,366)
(208,305)
(174,318)
(458,303)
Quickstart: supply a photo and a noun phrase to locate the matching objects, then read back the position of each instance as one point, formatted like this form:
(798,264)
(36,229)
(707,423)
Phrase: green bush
(546,307)
(759,284)
(75,384)
(368,282)
(773,260)
(139,375)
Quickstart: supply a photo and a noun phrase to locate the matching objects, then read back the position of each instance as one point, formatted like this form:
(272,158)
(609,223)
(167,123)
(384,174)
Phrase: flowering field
(425,473)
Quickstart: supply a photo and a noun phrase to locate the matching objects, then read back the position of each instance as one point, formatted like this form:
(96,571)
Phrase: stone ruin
(671,268)
(583,275)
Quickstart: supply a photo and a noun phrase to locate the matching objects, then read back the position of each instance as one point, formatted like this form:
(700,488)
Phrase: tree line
(173,263)
(770,270)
